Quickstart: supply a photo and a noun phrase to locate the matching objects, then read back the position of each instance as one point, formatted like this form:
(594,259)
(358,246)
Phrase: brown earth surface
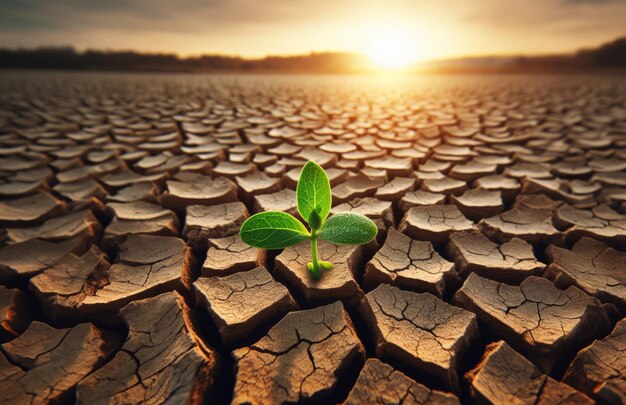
(498,274)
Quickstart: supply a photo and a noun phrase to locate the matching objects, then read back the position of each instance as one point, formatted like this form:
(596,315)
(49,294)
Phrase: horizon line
(304,53)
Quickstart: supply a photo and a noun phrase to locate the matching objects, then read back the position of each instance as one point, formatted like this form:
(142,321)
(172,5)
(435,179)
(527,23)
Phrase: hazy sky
(253,28)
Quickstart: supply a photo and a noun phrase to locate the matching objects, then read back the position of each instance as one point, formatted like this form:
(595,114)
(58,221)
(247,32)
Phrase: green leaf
(273,230)
(313,192)
(348,228)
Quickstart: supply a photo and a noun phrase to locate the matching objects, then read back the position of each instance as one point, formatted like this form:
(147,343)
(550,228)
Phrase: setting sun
(391,50)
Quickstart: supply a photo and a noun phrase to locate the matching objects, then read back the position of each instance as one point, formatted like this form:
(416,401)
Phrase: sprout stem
(316,265)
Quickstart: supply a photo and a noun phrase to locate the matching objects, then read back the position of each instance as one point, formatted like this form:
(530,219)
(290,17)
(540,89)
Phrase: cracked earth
(498,274)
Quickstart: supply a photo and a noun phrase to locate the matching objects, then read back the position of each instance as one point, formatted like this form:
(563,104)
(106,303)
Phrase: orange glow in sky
(391,51)
(393,45)
(392,33)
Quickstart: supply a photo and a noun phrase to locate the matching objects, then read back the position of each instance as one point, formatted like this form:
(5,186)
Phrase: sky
(420,30)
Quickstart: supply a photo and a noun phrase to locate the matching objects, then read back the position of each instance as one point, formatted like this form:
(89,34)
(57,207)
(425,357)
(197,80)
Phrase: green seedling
(278,230)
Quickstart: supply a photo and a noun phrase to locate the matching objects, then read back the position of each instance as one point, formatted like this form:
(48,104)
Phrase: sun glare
(391,50)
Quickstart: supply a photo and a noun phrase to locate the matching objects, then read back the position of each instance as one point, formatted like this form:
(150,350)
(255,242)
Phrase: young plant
(278,230)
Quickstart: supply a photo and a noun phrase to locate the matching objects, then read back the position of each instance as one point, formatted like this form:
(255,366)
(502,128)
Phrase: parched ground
(498,274)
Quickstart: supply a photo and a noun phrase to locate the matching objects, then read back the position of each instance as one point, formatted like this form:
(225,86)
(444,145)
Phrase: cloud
(552,17)
(592,2)
(164,15)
